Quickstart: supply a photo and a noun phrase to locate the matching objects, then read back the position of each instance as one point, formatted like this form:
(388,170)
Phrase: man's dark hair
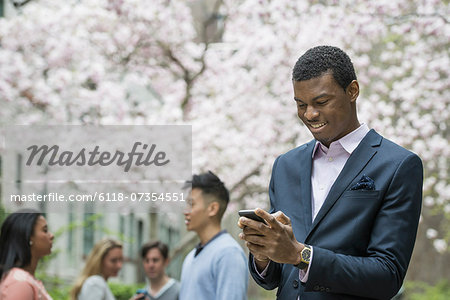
(322,59)
(213,189)
(163,248)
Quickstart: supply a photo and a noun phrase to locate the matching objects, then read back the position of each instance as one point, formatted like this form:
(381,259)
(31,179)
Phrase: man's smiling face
(325,108)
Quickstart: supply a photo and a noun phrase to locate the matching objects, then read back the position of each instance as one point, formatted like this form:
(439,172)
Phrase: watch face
(306,254)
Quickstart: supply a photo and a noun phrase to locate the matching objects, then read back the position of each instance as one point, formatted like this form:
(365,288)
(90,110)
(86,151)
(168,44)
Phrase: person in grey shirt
(155,259)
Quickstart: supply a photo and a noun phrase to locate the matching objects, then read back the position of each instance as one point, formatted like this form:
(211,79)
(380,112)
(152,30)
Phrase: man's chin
(321,139)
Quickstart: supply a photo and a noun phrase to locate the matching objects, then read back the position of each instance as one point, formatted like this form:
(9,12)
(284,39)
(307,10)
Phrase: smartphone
(250,213)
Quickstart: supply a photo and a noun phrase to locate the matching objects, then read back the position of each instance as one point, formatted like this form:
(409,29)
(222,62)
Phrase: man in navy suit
(344,207)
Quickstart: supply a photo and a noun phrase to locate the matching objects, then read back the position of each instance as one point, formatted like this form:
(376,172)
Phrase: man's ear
(213,209)
(352,90)
(167,262)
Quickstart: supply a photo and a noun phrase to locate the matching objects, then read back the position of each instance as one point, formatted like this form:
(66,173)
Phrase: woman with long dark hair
(24,240)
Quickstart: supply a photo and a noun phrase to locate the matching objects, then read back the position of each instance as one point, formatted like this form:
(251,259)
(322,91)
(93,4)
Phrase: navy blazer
(362,239)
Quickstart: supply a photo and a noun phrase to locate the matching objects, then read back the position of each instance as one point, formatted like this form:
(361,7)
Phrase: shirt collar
(200,247)
(349,142)
(163,289)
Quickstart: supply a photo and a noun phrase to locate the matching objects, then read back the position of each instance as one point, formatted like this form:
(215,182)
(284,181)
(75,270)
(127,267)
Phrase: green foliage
(262,294)
(60,293)
(3,214)
(55,286)
(60,290)
(422,290)
(123,291)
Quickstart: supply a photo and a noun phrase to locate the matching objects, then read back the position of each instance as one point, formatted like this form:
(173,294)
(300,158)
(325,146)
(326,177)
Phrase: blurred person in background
(24,240)
(104,261)
(217,267)
(155,259)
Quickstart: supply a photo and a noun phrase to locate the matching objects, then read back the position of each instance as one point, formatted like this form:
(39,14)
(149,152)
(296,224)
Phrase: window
(131,235)
(70,232)
(122,225)
(140,233)
(88,229)
(88,234)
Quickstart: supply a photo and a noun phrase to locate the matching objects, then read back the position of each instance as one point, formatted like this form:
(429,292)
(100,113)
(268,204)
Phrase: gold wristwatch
(305,257)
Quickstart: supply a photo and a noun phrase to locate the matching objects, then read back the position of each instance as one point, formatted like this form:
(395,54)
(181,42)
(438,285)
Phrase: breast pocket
(361,194)
(355,212)
(359,202)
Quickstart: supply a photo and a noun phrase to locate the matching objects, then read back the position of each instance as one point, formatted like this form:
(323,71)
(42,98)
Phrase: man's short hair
(322,59)
(213,189)
(163,248)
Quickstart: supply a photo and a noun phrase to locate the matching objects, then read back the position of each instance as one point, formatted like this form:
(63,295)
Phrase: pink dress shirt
(326,165)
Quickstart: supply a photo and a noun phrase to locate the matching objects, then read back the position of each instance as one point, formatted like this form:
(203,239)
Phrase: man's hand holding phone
(260,260)
(272,239)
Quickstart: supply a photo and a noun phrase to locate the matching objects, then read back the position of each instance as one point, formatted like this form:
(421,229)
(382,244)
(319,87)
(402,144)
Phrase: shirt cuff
(264,272)
(303,276)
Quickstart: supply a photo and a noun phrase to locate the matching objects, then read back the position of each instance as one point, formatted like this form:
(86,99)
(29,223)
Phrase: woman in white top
(104,261)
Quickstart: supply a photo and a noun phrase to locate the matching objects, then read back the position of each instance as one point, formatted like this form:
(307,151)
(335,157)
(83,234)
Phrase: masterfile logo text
(103,163)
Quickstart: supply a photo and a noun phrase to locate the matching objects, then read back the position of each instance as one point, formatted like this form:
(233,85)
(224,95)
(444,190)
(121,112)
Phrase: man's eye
(322,102)
(301,105)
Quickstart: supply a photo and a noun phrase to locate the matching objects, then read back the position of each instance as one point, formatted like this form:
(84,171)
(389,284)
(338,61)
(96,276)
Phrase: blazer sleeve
(380,274)
(273,274)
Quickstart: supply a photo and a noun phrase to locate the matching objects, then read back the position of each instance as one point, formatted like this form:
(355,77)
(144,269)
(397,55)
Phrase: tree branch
(17,4)
(189,239)
(254,172)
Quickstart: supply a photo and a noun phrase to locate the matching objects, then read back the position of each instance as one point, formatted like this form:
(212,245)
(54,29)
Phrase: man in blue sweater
(217,267)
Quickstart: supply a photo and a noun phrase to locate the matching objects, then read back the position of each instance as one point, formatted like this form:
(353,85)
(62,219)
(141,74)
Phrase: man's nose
(311,113)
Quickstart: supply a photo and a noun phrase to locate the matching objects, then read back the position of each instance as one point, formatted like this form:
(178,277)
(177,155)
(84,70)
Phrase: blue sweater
(218,272)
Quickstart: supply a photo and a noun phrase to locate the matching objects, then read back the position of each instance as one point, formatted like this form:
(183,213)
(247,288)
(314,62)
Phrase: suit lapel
(355,163)
(305,167)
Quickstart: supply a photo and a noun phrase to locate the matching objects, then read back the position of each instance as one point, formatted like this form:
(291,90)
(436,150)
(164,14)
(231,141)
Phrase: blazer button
(322,289)
(295,284)
(327,289)
(316,288)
